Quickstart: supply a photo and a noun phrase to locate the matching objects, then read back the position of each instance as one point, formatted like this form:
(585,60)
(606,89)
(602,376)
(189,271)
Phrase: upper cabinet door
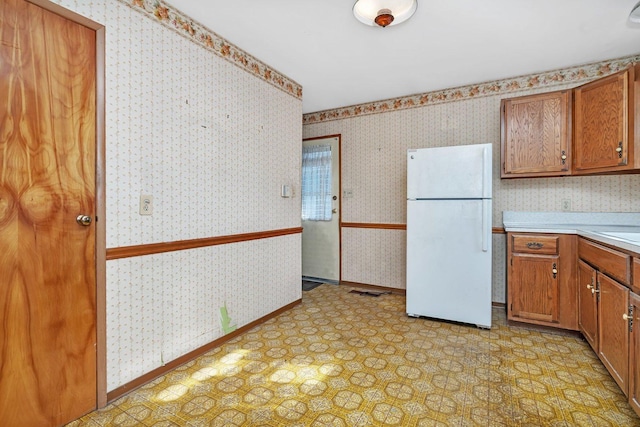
(602,127)
(536,135)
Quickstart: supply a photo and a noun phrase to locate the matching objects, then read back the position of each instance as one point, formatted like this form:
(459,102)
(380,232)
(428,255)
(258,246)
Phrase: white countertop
(594,225)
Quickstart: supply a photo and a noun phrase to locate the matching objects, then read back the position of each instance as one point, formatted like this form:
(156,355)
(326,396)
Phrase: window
(316,183)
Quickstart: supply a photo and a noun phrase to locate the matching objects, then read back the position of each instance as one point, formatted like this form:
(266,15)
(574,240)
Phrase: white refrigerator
(449,233)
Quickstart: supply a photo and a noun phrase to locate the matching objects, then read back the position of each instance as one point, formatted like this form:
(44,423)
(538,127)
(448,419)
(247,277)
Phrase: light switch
(146,204)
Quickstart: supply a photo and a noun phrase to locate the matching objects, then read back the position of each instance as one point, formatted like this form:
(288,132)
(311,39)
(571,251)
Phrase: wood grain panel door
(587,300)
(534,288)
(634,355)
(536,135)
(47,179)
(601,127)
(613,330)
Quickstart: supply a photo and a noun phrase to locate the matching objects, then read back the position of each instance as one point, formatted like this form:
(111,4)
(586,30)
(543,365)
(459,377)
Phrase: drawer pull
(554,270)
(534,245)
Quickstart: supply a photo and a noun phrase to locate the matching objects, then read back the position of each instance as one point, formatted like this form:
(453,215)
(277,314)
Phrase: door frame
(339,137)
(100,195)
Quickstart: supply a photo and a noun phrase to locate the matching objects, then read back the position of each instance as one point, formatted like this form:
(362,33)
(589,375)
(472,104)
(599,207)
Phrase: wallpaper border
(580,73)
(172,18)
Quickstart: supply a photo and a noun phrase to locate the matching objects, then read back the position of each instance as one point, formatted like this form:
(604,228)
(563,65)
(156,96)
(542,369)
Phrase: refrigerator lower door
(449,260)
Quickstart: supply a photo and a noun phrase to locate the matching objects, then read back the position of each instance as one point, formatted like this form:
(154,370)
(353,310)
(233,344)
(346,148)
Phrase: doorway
(321,232)
(51,151)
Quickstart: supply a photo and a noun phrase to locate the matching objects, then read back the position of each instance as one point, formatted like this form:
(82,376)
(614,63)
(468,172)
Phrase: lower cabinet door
(534,288)
(613,330)
(634,355)
(587,304)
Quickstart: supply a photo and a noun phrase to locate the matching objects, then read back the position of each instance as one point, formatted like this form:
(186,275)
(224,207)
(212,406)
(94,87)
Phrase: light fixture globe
(634,16)
(384,13)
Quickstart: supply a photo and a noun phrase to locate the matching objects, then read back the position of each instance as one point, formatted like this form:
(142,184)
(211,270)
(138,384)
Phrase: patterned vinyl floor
(343,359)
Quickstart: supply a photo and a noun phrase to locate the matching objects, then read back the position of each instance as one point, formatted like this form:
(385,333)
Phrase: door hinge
(512,262)
(597,290)
(630,318)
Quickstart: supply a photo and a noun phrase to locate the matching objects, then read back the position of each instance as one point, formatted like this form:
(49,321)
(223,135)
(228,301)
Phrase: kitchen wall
(375,138)
(211,133)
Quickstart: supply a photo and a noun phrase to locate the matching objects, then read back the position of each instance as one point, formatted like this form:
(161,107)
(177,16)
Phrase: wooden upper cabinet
(536,135)
(604,135)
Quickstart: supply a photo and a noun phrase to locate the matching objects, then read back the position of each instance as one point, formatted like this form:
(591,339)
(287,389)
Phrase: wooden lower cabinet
(613,329)
(541,279)
(534,290)
(612,342)
(587,304)
(634,354)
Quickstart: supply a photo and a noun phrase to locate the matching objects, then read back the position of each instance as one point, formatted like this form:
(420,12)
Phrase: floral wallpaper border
(548,79)
(176,20)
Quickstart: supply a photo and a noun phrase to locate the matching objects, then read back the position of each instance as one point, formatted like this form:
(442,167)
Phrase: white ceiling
(447,43)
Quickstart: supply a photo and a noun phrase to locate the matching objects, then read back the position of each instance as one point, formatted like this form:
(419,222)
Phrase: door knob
(625,316)
(84,220)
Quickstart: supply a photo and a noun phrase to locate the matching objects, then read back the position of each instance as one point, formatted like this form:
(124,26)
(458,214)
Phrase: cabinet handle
(554,270)
(563,157)
(534,245)
(619,149)
(589,286)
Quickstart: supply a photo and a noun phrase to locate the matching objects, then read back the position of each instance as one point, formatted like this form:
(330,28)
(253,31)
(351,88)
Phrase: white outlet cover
(146,204)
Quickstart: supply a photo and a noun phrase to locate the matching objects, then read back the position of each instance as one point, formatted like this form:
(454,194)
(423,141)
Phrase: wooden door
(47,179)
(587,304)
(536,135)
(634,355)
(601,127)
(533,288)
(613,330)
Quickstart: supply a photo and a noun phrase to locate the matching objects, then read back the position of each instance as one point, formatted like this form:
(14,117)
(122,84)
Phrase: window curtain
(316,183)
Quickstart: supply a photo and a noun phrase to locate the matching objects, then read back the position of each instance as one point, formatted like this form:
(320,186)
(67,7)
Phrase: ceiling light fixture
(384,12)
(634,16)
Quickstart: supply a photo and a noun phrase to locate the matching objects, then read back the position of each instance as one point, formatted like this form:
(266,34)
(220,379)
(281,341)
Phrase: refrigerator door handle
(486,225)
(486,173)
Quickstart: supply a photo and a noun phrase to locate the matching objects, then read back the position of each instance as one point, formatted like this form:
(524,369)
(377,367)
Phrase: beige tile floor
(343,359)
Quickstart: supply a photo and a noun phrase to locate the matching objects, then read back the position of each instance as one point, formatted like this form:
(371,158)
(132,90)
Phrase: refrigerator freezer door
(458,172)
(449,260)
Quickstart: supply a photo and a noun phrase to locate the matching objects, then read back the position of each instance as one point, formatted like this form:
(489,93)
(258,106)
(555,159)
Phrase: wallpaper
(212,142)
(170,303)
(374,169)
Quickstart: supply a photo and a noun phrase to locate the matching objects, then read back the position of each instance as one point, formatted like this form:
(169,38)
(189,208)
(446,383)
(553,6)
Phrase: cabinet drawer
(609,261)
(534,244)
